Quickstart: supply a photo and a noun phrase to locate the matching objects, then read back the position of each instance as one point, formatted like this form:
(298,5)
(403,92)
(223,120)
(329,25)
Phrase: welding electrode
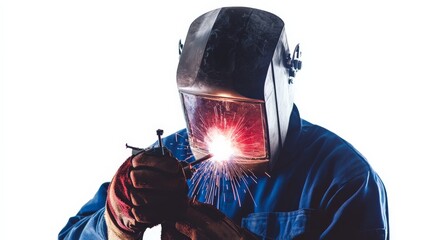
(187,168)
(159,132)
(190,165)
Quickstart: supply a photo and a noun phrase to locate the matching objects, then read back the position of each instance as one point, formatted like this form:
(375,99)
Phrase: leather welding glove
(149,188)
(204,222)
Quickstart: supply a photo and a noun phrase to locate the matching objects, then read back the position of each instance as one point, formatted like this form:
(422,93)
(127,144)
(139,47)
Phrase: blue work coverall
(320,188)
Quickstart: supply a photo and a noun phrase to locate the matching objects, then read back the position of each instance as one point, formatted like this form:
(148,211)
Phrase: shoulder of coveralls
(338,155)
(315,148)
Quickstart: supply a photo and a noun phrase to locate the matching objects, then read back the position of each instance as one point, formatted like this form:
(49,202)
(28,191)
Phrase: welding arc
(206,157)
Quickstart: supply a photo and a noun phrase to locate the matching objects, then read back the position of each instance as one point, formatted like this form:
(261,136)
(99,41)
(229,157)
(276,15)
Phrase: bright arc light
(221,146)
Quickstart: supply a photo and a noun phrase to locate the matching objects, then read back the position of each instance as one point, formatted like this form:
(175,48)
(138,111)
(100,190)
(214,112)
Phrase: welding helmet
(234,77)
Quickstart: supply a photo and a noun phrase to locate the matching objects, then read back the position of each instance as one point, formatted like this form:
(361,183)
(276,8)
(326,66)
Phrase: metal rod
(133,148)
(206,157)
(159,132)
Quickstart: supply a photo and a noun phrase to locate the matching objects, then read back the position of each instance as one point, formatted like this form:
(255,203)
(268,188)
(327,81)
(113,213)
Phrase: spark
(213,178)
(233,132)
(222,172)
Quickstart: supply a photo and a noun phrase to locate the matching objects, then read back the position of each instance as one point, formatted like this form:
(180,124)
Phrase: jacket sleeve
(89,222)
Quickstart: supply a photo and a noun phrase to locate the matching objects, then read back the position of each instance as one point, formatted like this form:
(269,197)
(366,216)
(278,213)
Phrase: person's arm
(94,221)
(89,222)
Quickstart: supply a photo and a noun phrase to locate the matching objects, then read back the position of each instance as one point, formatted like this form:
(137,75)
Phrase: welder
(285,177)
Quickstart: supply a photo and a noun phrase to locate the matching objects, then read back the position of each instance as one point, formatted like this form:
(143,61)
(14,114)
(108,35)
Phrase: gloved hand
(147,189)
(204,222)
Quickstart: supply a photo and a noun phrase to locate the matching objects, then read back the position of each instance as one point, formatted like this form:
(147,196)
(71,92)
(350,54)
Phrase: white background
(82,78)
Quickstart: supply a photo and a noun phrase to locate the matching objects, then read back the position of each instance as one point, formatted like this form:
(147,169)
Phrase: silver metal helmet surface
(234,77)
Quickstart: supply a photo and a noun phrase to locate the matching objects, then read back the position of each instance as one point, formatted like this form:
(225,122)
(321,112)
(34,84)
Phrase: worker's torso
(289,202)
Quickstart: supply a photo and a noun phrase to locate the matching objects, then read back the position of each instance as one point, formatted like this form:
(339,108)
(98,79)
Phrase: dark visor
(240,122)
